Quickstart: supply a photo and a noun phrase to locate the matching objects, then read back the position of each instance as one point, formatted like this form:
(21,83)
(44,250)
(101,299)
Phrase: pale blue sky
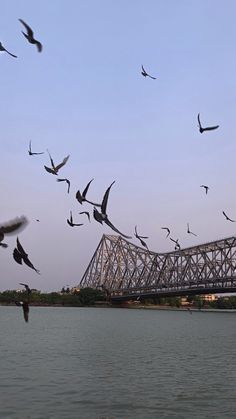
(84,96)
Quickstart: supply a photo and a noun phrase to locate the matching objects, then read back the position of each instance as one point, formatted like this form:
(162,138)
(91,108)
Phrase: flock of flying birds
(99,209)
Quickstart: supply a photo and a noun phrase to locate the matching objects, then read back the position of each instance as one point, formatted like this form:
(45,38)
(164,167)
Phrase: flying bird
(201,129)
(103,217)
(26,287)
(70,221)
(20,255)
(82,197)
(86,213)
(12,226)
(30,151)
(167,229)
(145,74)
(206,188)
(177,246)
(25,307)
(190,232)
(227,218)
(140,238)
(67,181)
(54,169)
(30,36)
(4,49)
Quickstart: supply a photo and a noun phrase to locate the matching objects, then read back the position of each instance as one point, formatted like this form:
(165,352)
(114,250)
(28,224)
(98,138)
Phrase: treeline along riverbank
(92,297)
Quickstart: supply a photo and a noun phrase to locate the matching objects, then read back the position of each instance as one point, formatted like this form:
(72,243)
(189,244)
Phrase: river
(110,363)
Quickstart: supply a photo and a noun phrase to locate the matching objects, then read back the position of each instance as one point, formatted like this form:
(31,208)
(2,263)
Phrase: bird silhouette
(67,181)
(86,213)
(54,169)
(140,238)
(4,49)
(177,246)
(145,74)
(20,255)
(103,217)
(206,188)
(190,232)
(30,151)
(167,229)
(12,226)
(30,36)
(26,287)
(201,129)
(227,218)
(25,307)
(82,197)
(70,221)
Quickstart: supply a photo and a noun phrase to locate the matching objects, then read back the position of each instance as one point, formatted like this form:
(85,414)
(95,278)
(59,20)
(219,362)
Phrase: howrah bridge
(128,272)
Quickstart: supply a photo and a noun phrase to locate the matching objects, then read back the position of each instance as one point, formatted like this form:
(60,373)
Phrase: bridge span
(127,271)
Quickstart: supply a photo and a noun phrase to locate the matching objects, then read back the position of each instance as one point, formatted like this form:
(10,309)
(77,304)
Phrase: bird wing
(199,122)
(28,28)
(105,199)
(86,189)
(115,229)
(224,214)
(61,180)
(30,147)
(144,69)
(14,225)
(15,56)
(211,128)
(68,183)
(49,170)
(51,160)
(24,285)
(39,46)
(17,256)
(20,248)
(87,213)
(30,264)
(62,163)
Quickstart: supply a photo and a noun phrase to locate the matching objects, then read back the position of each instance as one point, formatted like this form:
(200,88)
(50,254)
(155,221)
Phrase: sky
(84,95)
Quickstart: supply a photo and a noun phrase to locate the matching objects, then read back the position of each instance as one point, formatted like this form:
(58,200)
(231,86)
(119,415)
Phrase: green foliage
(86,296)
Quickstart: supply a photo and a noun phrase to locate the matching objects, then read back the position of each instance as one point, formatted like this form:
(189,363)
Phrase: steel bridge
(127,271)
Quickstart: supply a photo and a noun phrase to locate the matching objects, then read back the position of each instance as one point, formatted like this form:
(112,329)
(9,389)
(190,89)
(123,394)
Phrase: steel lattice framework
(128,271)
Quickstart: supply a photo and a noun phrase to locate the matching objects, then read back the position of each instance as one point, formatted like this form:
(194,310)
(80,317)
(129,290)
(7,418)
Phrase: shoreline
(131,307)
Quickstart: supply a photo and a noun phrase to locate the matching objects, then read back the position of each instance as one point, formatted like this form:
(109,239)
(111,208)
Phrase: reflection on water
(107,363)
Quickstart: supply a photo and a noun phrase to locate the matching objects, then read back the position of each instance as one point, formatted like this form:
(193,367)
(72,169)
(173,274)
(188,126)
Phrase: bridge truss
(128,271)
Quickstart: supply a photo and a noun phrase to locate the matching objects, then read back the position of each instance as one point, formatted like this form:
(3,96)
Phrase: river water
(104,363)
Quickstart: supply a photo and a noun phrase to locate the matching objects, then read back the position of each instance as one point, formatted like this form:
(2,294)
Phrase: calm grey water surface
(117,363)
